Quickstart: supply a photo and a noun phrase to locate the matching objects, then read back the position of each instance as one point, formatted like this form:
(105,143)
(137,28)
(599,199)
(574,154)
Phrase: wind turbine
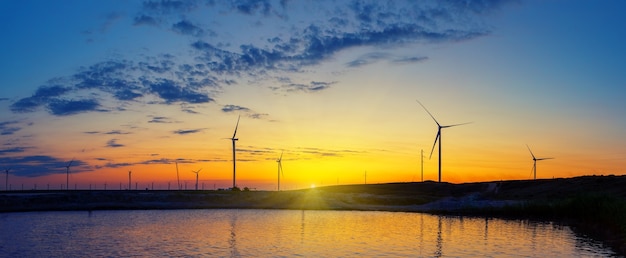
(177,177)
(234,139)
(438,137)
(6,181)
(67,180)
(197,173)
(535,159)
(280,168)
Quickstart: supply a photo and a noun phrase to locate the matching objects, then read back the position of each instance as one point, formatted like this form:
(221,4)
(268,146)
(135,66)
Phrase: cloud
(12,150)
(160,120)
(243,110)
(215,63)
(408,59)
(143,19)
(171,92)
(61,107)
(313,86)
(187,28)
(112,132)
(170,6)
(43,95)
(250,7)
(117,132)
(39,165)
(184,132)
(9,128)
(374,57)
(113,144)
(233,108)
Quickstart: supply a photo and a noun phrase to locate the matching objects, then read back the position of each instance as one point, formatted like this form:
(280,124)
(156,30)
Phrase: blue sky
(333,82)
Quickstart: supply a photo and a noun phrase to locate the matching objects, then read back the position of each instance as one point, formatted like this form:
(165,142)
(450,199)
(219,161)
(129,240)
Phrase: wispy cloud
(113,144)
(243,110)
(9,127)
(313,86)
(160,120)
(185,27)
(189,131)
(13,150)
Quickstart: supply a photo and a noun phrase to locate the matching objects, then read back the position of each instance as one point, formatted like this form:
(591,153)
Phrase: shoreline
(594,205)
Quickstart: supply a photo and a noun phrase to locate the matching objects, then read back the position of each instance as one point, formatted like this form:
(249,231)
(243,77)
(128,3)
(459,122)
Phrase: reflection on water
(252,233)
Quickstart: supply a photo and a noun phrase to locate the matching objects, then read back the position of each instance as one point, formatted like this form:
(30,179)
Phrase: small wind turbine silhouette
(535,159)
(6,181)
(438,137)
(67,179)
(177,177)
(197,173)
(234,139)
(280,168)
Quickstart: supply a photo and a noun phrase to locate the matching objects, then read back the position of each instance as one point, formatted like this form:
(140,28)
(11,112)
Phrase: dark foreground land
(595,205)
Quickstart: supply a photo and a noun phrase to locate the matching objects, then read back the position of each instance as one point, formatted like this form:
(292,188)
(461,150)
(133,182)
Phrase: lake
(285,233)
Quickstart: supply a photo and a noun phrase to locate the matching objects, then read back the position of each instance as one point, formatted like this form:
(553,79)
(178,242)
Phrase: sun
(312,185)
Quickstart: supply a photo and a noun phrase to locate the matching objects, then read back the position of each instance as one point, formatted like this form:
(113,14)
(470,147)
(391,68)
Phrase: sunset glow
(142,85)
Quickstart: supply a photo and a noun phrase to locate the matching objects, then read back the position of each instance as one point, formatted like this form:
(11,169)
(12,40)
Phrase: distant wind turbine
(177,177)
(438,137)
(280,168)
(197,173)
(6,181)
(422,163)
(234,139)
(535,159)
(129,177)
(67,180)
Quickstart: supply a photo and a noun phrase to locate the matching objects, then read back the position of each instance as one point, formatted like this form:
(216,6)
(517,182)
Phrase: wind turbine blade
(436,138)
(281,156)
(446,126)
(280,165)
(72,161)
(199,170)
(531,152)
(236,126)
(431,115)
(544,158)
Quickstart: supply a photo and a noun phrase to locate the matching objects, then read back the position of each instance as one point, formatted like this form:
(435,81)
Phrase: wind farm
(122,104)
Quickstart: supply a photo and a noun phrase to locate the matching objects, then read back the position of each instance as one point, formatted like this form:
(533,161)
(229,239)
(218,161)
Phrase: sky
(156,87)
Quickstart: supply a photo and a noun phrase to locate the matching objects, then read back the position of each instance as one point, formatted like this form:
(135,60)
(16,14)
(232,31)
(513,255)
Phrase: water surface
(254,233)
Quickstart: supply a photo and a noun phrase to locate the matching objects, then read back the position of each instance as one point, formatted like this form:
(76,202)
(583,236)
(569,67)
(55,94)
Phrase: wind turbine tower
(438,137)
(67,178)
(234,139)
(129,177)
(280,168)
(6,181)
(535,159)
(197,174)
(177,177)
(422,157)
